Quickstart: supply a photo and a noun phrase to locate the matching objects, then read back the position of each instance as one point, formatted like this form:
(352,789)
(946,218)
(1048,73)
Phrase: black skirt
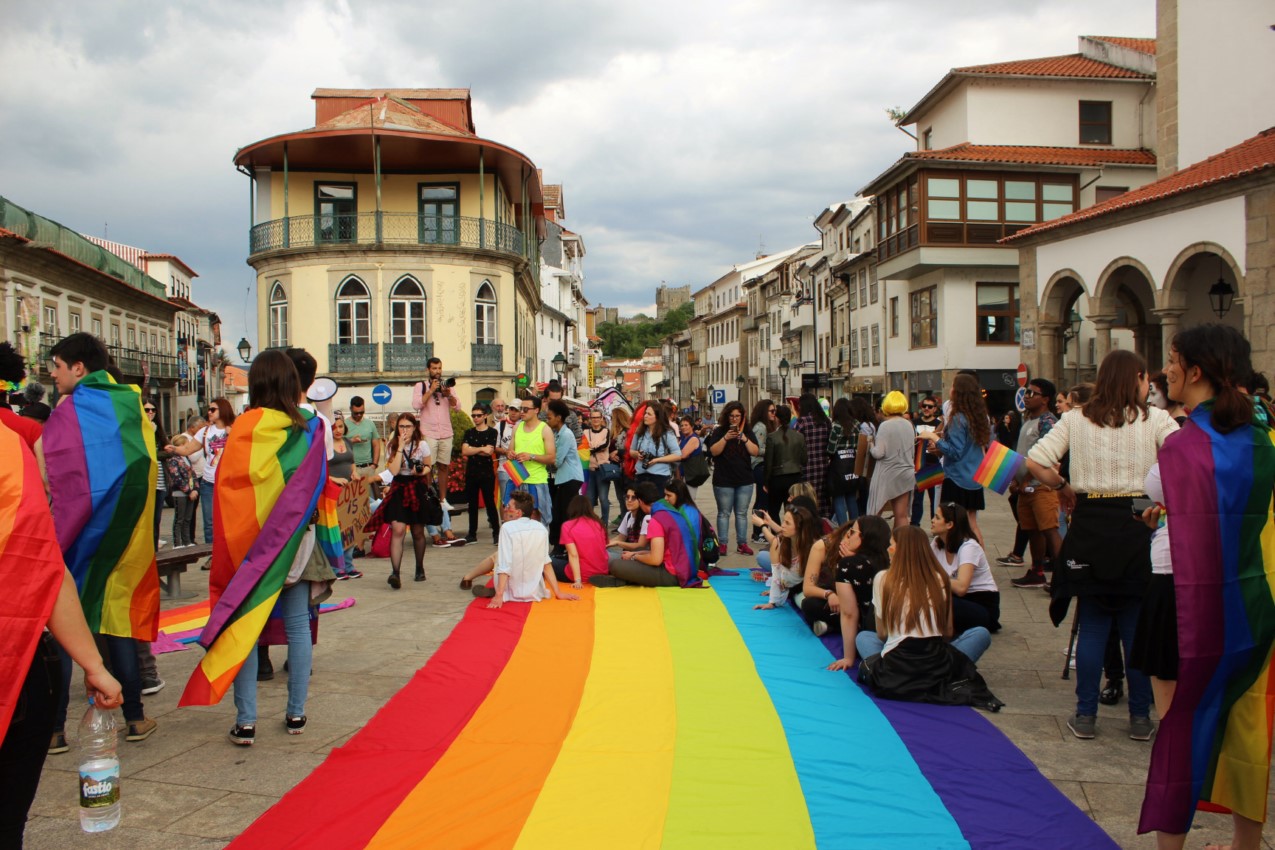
(971,500)
(1155,643)
(406,501)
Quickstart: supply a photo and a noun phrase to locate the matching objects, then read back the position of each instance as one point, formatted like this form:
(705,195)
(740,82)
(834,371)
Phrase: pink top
(591,545)
(434,411)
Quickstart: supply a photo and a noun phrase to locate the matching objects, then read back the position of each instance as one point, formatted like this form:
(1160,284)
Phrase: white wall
(947,121)
(1027,112)
(1226,74)
(956,348)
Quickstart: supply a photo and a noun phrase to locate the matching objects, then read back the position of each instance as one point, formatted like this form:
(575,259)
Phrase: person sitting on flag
(99,459)
(674,535)
(43,613)
(521,561)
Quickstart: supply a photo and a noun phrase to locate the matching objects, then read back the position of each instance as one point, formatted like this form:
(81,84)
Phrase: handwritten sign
(353,512)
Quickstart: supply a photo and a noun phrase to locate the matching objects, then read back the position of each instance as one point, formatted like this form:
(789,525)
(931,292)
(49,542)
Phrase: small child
(181,484)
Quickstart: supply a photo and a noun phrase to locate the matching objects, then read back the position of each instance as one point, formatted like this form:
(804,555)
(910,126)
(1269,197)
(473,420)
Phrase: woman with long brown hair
(963,443)
(789,552)
(211,439)
(1106,556)
(733,448)
(655,444)
(405,504)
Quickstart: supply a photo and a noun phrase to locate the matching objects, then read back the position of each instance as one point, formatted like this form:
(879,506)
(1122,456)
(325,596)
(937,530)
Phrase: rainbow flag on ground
(1213,748)
(180,627)
(516,471)
(99,453)
(31,569)
(1000,466)
(638,717)
(269,479)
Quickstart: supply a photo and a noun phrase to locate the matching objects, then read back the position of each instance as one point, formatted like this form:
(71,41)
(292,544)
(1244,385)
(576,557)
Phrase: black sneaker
(295,725)
(495,538)
(244,736)
(471,537)
(152,686)
(482,591)
(1010,560)
(354,574)
(58,744)
(1031,578)
(343,577)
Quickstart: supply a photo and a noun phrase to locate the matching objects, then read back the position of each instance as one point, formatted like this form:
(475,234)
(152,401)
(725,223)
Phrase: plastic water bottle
(99,771)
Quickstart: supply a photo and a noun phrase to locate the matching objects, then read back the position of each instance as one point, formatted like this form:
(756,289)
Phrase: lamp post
(1070,333)
(1221,294)
(710,401)
(245,350)
(784,369)
(619,381)
(559,365)
(739,388)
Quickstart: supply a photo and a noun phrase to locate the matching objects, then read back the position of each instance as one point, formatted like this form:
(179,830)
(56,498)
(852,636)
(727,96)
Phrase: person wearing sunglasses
(479,450)
(929,419)
(212,440)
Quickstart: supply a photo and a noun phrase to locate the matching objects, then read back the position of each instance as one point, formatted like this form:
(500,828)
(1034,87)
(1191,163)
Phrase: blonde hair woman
(894,477)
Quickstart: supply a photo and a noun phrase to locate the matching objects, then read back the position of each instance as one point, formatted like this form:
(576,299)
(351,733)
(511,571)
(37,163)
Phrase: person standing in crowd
(599,441)
(33,406)
(210,439)
(867,419)
(814,426)
(785,457)
(894,449)
(182,485)
(364,439)
(533,446)
(1106,557)
(1159,397)
(101,423)
(1211,526)
(404,507)
(568,476)
(692,451)
(341,470)
(479,450)
(655,444)
(553,392)
(843,444)
(732,447)
(13,374)
(760,424)
(1037,506)
(621,419)
(929,420)
(504,419)
(433,400)
(196,459)
(963,443)
(161,480)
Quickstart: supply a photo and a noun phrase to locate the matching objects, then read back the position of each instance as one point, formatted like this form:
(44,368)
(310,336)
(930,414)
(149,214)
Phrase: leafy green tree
(630,339)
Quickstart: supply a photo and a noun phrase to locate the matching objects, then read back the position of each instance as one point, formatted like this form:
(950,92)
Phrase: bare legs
(973,516)
(901,507)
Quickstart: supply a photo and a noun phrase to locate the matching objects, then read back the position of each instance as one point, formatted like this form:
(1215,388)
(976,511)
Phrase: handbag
(695,469)
(608,472)
(381,543)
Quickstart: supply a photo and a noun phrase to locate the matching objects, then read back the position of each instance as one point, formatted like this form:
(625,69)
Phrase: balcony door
(335,212)
(439,209)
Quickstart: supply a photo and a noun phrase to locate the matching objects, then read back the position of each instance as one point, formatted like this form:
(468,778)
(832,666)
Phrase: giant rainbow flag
(638,717)
(99,454)
(269,480)
(1213,747)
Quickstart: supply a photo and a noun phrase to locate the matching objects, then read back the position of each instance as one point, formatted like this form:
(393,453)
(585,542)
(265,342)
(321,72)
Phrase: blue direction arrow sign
(381,394)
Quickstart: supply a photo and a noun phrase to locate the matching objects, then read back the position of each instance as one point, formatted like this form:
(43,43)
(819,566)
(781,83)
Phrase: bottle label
(99,788)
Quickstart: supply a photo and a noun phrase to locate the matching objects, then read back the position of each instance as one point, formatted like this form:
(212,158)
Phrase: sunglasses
(477,414)
(149,409)
(1030,393)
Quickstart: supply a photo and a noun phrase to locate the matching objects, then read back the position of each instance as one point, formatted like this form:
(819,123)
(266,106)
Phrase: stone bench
(171,563)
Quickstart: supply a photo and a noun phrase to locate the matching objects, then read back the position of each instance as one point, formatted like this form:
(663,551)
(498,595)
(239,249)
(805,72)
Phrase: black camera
(647,458)
(449,383)
(418,466)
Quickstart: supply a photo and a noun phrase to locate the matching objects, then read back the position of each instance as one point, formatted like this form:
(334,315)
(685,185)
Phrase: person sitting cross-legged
(521,561)
(674,535)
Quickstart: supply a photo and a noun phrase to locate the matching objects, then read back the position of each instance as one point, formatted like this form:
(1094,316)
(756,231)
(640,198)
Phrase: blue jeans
(445,525)
(918,500)
(596,490)
(294,605)
(349,560)
(736,499)
(206,500)
(763,559)
(122,653)
(1091,643)
(971,643)
(844,508)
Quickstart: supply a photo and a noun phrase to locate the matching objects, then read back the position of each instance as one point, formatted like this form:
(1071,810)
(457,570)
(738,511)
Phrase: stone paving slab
(188,787)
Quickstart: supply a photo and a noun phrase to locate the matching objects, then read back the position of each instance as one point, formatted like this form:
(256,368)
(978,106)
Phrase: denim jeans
(763,560)
(294,605)
(206,500)
(733,499)
(844,509)
(918,503)
(348,557)
(1091,644)
(972,644)
(122,655)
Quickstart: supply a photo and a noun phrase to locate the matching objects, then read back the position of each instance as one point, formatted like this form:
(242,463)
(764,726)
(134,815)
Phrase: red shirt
(28,429)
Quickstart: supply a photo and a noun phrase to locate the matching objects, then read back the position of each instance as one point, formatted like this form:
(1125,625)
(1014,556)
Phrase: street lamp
(1221,294)
(739,388)
(784,369)
(559,364)
(1073,332)
(245,349)
(711,389)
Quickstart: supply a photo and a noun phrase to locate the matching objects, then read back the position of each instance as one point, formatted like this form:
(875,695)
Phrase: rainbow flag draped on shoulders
(688,521)
(30,567)
(99,453)
(1213,748)
(269,482)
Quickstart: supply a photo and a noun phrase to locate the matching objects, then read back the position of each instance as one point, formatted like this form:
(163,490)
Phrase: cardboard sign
(353,512)
(863,460)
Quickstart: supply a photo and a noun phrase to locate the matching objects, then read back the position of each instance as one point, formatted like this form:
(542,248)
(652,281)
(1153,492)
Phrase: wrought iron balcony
(406,356)
(355,357)
(486,356)
(386,228)
(132,362)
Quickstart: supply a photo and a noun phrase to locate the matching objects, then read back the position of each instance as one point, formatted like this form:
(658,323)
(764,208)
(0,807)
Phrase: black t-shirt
(858,571)
(479,466)
(733,467)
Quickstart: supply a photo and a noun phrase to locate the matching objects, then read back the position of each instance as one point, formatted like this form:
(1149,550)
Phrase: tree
(630,339)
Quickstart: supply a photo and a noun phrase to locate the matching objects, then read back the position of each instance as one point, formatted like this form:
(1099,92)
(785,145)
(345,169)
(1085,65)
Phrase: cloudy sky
(687,135)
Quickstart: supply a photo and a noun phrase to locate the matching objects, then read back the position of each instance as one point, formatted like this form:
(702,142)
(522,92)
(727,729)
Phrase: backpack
(710,548)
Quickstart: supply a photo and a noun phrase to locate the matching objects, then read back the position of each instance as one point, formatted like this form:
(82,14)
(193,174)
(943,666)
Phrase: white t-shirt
(626,524)
(213,439)
(928,626)
(1161,557)
(327,432)
(969,553)
(420,452)
(521,554)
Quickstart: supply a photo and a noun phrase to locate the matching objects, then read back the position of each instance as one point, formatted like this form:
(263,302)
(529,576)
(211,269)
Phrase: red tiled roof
(1142,45)
(1248,157)
(1038,155)
(1071,65)
(390,113)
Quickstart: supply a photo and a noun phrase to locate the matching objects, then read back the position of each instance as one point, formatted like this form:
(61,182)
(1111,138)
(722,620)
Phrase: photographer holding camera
(407,504)
(433,399)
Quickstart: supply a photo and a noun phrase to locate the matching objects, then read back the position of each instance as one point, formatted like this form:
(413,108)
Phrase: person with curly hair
(963,443)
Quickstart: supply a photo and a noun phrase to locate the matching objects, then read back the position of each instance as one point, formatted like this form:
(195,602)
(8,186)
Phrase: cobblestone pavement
(188,787)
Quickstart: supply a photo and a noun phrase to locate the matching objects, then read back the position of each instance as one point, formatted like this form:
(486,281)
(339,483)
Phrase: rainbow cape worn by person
(644,717)
(1213,747)
(269,480)
(31,569)
(1000,466)
(688,522)
(99,454)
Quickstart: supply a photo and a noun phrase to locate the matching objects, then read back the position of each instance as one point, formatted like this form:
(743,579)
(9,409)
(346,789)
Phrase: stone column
(1170,323)
(1102,332)
(1051,358)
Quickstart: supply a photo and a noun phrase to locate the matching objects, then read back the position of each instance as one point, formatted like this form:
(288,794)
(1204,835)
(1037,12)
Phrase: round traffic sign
(1020,399)
(381,394)
(1022,374)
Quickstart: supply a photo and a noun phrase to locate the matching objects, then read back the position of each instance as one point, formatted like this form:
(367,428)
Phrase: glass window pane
(335,192)
(981,188)
(1056,192)
(944,209)
(943,187)
(1020,212)
(982,210)
(1054,210)
(438,193)
(993,297)
(1095,111)
(1020,190)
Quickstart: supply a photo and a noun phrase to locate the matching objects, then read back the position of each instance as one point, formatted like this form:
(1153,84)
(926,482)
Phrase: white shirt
(928,627)
(213,440)
(1105,460)
(1161,558)
(327,432)
(522,554)
(969,553)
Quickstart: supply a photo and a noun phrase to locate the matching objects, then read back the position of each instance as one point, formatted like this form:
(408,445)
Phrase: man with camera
(433,399)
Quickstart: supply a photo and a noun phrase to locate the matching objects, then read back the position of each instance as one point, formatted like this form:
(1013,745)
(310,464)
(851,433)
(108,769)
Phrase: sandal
(393,580)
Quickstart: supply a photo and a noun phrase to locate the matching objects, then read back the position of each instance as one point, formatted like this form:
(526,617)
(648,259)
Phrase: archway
(1185,298)
(1123,312)
(1061,346)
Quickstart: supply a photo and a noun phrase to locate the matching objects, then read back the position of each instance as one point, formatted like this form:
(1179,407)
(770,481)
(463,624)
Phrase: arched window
(353,313)
(485,315)
(278,316)
(407,311)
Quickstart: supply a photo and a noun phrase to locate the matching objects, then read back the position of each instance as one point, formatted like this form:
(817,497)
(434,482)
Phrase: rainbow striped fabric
(327,530)
(1000,466)
(99,454)
(516,471)
(31,568)
(638,717)
(1213,748)
(269,479)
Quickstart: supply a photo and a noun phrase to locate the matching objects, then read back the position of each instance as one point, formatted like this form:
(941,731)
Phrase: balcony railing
(357,357)
(487,356)
(129,360)
(406,356)
(386,228)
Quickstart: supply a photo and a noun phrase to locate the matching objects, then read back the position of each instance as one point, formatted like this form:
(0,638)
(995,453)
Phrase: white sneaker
(447,506)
